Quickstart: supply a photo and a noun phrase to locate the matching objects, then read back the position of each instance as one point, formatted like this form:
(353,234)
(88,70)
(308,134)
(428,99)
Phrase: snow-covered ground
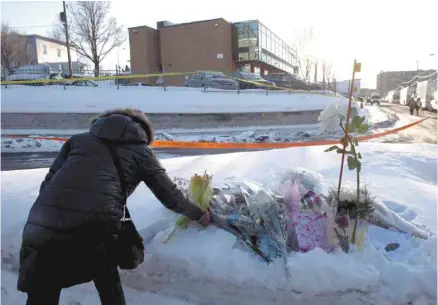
(33,99)
(204,267)
(84,294)
(378,118)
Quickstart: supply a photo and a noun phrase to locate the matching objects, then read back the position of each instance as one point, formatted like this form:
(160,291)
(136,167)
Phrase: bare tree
(13,51)
(304,40)
(92,33)
(57,32)
(307,64)
(315,69)
(326,73)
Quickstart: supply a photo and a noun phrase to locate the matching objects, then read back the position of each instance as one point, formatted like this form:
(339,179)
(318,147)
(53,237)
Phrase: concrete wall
(161,121)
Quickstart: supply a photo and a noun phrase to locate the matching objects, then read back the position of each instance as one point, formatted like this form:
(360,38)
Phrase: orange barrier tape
(214,145)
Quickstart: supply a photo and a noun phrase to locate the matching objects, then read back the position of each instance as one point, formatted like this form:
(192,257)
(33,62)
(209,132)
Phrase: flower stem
(353,238)
(170,235)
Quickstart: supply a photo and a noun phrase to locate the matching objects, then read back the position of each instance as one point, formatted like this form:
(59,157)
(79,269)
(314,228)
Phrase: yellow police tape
(98,78)
(131,76)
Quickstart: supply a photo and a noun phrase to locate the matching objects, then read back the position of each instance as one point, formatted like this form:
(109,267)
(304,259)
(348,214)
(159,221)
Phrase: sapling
(351,142)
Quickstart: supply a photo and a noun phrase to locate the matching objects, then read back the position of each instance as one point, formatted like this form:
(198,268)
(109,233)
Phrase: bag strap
(121,173)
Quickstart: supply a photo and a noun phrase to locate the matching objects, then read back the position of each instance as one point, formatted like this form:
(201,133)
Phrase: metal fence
(202,81)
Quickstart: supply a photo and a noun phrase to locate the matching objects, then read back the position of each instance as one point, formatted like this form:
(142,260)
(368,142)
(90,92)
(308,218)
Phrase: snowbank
(376,117)
(29,145)
(205,265)
(33,99)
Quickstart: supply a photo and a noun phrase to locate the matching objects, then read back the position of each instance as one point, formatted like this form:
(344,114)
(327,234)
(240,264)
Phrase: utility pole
(64,19)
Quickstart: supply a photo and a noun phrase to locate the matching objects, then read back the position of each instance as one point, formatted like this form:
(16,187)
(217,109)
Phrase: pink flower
(343,221)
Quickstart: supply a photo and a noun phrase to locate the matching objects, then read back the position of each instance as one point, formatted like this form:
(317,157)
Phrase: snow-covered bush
(330,117)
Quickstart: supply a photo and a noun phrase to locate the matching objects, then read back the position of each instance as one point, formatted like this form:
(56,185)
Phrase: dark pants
(417,108)
(108,286)
(411,110)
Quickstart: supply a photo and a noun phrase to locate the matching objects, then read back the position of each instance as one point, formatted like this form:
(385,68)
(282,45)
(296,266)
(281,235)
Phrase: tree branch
(92,32)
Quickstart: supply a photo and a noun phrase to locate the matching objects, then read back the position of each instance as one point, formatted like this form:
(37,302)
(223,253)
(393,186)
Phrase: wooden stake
(346,127)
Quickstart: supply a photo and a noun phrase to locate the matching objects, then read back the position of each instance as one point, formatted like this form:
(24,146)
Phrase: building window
(44,49)
(248,34)
(59,52)
(29,49)
(253,55)
(243,56)
(257,70)
(253,26)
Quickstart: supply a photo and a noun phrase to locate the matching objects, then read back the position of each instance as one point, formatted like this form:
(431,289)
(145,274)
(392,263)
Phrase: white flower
(349,193)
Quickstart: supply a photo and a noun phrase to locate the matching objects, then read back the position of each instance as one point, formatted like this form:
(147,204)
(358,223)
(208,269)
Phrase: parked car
(277,78)
(252,78)
(136,84)
(82,83)
(35,72)
(291,81)
(210,79)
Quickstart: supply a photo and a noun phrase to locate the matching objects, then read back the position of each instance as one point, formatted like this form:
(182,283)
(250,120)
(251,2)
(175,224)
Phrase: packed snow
(205,267)
(328,128)
(84,294)
(53,99)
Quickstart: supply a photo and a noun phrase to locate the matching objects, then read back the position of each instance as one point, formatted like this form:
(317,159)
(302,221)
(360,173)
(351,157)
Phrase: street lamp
(430,55)
(118,58)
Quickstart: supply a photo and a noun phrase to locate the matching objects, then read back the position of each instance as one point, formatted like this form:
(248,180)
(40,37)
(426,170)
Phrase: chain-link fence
(238,82)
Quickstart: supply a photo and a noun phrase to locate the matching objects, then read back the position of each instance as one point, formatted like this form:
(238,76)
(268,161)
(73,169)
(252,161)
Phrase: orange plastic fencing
(265,145)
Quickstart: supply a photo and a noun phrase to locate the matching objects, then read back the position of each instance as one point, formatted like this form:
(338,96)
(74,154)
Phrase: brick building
(211,45)
(387,81)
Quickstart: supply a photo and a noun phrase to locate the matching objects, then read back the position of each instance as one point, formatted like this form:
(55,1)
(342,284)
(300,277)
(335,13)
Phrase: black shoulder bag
(130,247)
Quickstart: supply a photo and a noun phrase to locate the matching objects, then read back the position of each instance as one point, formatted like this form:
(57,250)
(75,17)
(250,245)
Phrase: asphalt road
(425,132)
(17,161)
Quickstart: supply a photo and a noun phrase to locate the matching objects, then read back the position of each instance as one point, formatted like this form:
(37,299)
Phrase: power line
(32,26)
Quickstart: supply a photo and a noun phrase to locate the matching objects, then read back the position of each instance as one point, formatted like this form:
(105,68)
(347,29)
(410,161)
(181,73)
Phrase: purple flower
(343,221)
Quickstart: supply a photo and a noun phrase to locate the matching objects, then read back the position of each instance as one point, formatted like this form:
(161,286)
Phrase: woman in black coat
(71,232)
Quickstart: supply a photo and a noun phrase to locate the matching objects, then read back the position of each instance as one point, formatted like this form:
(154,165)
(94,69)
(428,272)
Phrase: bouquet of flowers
(200,192)
(255,215)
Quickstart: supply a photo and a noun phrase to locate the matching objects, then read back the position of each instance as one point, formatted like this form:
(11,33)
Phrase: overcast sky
(384,35)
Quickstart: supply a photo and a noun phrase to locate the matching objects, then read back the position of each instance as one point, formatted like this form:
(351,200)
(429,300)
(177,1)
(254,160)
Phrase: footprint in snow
(395,207)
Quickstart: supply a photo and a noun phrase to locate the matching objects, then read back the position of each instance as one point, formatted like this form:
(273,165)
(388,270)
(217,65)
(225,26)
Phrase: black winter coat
(74,223)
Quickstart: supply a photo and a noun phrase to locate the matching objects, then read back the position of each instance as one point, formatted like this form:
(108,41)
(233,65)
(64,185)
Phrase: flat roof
(192,22)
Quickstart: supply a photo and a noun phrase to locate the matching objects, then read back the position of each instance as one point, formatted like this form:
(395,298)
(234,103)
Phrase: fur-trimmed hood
(123,124)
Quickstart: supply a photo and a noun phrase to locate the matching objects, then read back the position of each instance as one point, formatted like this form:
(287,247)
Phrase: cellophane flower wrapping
(199,191)
(255,213)
(309,218)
